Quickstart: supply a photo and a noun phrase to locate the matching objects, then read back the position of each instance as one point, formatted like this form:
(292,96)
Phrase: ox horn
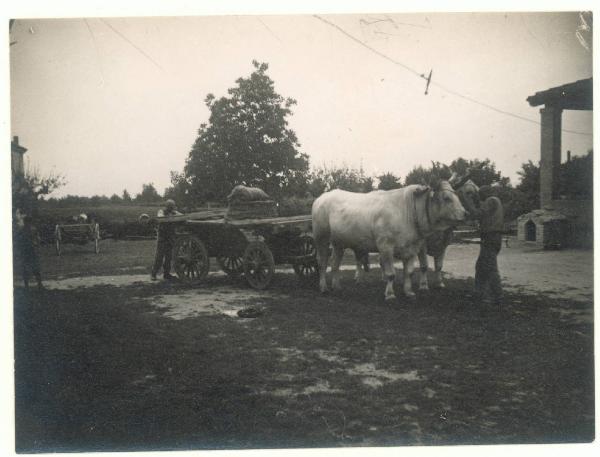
(452,180)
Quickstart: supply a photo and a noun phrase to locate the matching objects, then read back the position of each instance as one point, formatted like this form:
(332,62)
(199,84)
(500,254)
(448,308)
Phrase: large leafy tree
(246,141)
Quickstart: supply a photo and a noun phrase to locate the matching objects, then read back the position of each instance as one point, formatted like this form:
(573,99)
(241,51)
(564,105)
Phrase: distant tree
(324,179)
(98,200)
(114,198)
(529,186)
(148,194)
(577,177)
(388,181)
(483,172)
(181,191)
(126,197)
(246,141)
(31,187)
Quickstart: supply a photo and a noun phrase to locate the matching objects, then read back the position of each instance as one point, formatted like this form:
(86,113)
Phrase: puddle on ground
(329,356)
(321,387)
(374,377)
(209,302)
(287,354)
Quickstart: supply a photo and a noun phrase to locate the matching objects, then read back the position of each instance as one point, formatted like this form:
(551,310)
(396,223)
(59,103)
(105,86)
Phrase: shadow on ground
(105,369)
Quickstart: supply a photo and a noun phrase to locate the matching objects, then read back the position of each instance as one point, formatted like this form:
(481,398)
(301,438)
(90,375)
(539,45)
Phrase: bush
(295,206)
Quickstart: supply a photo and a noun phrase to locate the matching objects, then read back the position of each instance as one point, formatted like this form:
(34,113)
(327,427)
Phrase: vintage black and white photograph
(317,230)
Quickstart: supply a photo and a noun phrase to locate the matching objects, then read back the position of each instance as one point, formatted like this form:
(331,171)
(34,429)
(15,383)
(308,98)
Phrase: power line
(433,83)
(140,50)
(96,48)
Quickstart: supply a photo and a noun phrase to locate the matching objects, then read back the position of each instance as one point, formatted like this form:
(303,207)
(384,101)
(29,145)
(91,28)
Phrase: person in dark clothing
(491,220)
(26,243)
(164,242)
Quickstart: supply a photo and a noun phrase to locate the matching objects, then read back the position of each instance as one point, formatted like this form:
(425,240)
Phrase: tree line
(247,140)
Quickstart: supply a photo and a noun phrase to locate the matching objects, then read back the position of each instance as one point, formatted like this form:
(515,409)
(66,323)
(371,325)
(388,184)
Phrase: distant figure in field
(26,244)
(491,220)
(165,240)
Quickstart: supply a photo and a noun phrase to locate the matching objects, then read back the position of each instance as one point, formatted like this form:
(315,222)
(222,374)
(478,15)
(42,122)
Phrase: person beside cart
(26,243)
(165,240)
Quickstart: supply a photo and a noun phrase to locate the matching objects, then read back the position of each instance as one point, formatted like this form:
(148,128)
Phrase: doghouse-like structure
(559,222)
(547,228)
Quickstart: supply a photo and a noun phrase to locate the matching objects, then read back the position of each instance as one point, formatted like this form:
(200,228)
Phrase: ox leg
(387,269)
(322,260)
(338,253)
(362,264)
(409,265)
(423,267)
(359,273)
(438,281)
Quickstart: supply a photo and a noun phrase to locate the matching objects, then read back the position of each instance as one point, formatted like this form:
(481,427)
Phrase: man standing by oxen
(491,221)
(393,223)
(165,240)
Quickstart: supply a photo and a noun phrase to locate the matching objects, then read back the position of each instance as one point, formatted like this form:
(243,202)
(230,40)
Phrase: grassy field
(114,368)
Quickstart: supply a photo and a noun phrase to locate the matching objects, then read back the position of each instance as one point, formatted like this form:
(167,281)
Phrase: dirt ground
(108,360)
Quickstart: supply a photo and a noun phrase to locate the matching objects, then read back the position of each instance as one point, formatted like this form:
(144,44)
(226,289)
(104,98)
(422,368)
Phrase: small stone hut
(544,227)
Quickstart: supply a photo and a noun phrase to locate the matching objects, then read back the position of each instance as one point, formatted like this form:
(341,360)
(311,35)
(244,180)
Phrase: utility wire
(96,48)
(140,50)
(433,83)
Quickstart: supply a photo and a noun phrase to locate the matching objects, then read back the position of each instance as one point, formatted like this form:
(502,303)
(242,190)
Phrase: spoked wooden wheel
(232,265)
(259,265)
(191,259)
(306,269)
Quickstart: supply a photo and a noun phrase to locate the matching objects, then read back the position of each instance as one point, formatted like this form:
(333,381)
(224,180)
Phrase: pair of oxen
(403,224)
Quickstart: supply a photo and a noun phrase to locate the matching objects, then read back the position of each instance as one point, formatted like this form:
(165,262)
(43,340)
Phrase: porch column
(550,154)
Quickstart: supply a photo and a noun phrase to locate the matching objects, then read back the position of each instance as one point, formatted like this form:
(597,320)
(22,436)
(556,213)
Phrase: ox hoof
(424,288)
(410,295)
(390,298)
(440,285)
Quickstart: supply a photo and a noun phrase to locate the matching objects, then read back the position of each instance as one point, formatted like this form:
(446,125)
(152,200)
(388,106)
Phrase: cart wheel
(259,265)
(191,259)
(57,240)
(308,268)
(232,265)
(97,239)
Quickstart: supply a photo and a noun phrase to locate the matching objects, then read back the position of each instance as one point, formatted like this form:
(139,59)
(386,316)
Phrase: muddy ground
(107,360)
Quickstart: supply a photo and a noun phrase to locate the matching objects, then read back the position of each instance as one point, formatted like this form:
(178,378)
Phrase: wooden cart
(248,247)
(77,234)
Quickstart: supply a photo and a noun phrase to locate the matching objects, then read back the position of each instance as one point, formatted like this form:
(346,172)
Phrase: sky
(112,103)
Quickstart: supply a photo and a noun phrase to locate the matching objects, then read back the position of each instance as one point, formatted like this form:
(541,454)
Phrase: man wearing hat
(491,224)
(165,239)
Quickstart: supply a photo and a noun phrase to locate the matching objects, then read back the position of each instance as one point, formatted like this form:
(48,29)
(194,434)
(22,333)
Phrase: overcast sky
(113,103)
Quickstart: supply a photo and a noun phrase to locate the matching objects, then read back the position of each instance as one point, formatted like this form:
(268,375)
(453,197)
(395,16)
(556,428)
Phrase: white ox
(393,223)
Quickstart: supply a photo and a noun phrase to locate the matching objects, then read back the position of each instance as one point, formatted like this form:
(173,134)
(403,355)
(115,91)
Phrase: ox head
(467,191)
(446,207)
